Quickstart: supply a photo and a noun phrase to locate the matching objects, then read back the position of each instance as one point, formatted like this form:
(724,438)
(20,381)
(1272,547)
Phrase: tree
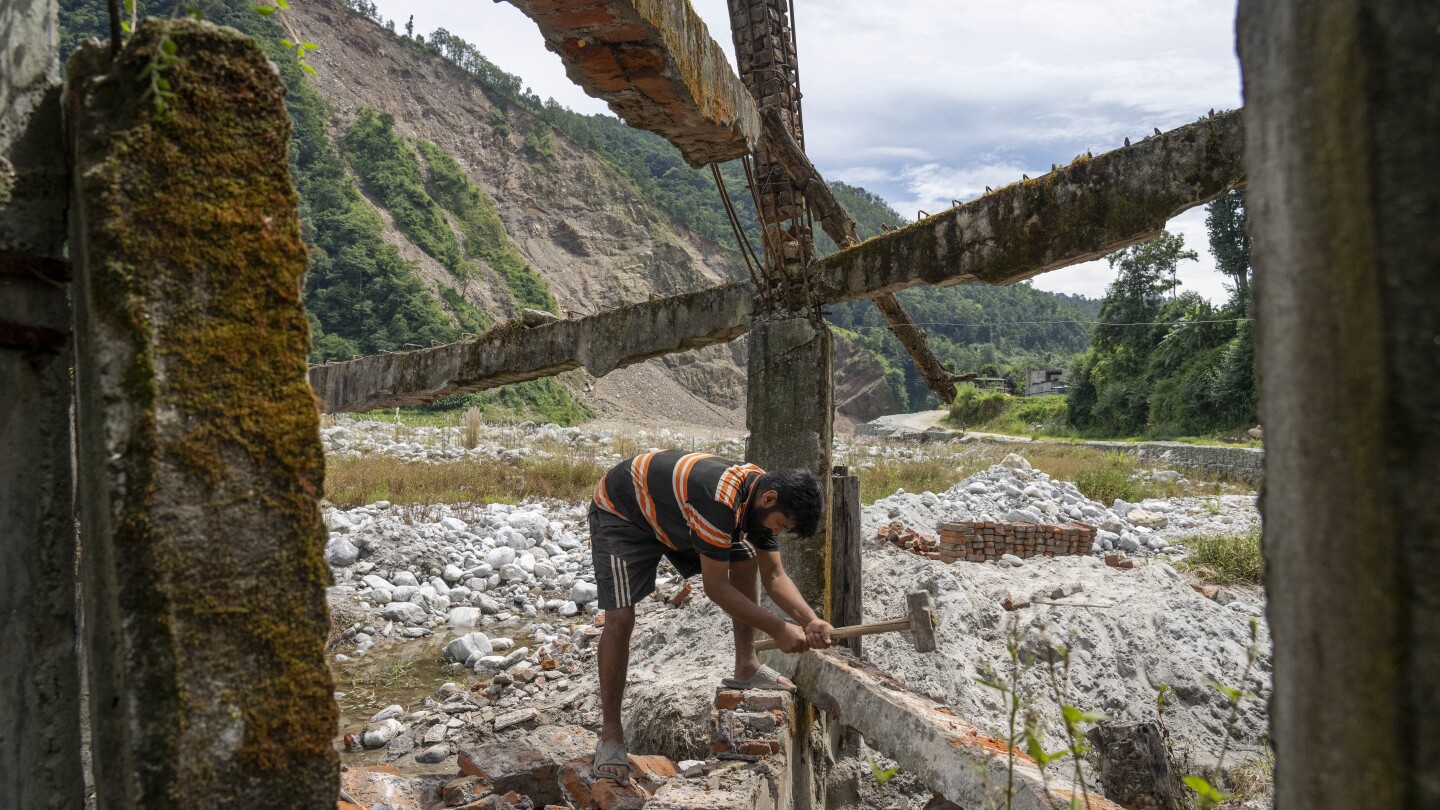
(1136,296)
(410,26)
(1229,242)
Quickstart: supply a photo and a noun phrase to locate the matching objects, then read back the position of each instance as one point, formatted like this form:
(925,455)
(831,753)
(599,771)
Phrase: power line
(1080,323)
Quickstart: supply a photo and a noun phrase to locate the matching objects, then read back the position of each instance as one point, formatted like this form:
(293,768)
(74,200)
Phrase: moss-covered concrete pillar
(790,412)
(40,689)
(199,451)
(1342,126)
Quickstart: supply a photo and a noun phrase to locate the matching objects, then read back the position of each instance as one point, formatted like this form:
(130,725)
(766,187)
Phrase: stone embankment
(1214,460)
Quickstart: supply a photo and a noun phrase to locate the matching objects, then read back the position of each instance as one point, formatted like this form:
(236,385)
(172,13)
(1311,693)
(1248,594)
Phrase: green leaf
(282,3)
(125,26)
(1207,792)
(308,69)
(264,11)
(168,46)
(310,46)
(1076,803)
(1038,753)
(1235,695)
(1074,716)
(882,777)
(287,43)
(997,687)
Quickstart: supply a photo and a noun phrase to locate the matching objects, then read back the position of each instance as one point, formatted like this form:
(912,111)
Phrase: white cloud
(923,101)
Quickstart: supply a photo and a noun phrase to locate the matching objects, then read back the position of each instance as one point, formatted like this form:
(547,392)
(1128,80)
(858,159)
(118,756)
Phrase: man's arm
(715,574)
(783,592)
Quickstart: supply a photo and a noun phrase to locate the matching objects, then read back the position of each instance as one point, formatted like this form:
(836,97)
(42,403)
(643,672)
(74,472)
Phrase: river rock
(340,552)
(467,648)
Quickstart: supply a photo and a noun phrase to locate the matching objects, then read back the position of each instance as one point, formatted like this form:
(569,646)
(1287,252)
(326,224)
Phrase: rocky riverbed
(489,612)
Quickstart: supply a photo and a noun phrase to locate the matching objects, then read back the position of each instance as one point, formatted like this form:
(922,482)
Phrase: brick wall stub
(979,541)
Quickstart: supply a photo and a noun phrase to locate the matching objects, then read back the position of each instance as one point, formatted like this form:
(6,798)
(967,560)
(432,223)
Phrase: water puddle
(404,673)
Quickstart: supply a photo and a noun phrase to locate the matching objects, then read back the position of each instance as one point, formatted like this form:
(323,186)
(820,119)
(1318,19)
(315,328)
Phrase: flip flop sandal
(764,678)
(610,754)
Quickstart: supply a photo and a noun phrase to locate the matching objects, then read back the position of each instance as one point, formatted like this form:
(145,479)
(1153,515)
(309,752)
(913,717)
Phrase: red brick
(648,766)
(575,782)
(609,796)
(764,701)
(719,747)
(759,748)
(728,699)
(464,789)
(580,18)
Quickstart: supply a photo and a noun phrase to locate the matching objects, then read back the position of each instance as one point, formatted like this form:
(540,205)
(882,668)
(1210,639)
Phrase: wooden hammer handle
(853,631)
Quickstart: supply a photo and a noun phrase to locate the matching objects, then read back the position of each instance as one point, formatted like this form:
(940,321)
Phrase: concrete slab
(656,64)
(953,758)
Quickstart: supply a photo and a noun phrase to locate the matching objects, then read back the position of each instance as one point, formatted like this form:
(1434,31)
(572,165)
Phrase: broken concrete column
(199,448)
(1135,767)
(40,696)
(790,413)
(1343,111)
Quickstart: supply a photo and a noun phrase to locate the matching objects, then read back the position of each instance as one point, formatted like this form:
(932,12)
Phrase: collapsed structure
(179,484)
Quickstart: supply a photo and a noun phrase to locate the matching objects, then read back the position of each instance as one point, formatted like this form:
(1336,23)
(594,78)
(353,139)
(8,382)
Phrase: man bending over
(720,519)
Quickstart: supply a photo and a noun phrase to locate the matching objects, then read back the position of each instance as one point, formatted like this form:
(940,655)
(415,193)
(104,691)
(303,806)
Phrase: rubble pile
(1013,493)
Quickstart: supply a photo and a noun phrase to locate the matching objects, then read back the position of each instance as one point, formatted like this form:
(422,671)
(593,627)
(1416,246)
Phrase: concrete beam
(1080,212)
(512,353)
(657,66)
(953,758)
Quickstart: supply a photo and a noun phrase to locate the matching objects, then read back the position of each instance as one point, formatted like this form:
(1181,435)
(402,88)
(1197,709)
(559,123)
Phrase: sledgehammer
(920,622)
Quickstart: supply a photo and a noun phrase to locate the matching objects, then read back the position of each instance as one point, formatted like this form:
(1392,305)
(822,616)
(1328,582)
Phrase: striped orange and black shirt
(690,501)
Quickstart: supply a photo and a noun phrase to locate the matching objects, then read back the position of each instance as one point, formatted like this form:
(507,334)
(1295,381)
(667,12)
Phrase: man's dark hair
(799,497)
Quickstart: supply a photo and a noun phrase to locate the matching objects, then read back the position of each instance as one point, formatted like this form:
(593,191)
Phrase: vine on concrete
(124,18)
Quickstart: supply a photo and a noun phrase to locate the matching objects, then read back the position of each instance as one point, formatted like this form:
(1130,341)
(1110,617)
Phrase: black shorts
(626,556)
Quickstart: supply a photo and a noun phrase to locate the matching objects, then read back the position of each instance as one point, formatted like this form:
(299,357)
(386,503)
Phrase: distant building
(1047,381)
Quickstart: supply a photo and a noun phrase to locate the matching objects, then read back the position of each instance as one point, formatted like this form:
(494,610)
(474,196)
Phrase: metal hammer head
(920,610)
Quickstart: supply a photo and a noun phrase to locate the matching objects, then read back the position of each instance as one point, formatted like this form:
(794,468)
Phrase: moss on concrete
(192,261)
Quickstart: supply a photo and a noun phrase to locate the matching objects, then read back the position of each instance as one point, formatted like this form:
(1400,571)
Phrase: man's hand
(791,639)
(817,634)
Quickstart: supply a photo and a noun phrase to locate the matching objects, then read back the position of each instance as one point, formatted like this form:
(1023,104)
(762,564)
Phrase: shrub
(974,407)
(1108,478)
(1226,559)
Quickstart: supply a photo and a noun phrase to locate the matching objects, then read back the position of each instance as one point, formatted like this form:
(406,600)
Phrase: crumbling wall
(200,456)
(40,694)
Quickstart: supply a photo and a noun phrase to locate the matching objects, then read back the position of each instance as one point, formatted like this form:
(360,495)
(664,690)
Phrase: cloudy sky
(925,101)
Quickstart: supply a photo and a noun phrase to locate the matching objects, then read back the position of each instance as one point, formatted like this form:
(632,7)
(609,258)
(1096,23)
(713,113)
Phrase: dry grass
(1100,476)
(474,422)
(351,482)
